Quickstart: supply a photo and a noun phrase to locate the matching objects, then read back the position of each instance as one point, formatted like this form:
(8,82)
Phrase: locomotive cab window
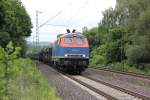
(68,40)
(74,39)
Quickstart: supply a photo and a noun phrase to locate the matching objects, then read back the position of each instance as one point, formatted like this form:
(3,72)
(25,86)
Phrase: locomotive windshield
(76,40)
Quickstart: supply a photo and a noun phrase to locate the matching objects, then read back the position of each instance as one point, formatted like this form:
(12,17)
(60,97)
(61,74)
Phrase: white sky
(75,15)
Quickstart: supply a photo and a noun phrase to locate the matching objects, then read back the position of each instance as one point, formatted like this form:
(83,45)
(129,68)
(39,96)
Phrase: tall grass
(125,67)
(20,79)
(29,84)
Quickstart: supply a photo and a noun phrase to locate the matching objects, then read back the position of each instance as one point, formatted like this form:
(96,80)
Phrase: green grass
(28,83)
(125,67)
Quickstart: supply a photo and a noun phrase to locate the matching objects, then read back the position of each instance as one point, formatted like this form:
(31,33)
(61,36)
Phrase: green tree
(7,56)
(125,33)
(93,36)
(137,26)
(15,23)
(4,38)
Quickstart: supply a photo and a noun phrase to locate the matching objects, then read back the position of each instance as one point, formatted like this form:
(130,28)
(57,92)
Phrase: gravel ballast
(65,89)
(138,85)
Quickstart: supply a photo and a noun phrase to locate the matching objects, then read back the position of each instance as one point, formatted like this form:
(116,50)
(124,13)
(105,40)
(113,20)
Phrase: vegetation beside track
(20,79)
(124,67)
(122,38)
(15,24)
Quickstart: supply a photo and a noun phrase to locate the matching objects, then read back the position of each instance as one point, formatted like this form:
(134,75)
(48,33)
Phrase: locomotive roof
(71,34)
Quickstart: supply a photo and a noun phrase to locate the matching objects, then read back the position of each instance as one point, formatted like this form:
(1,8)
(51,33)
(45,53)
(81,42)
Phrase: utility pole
(37,28)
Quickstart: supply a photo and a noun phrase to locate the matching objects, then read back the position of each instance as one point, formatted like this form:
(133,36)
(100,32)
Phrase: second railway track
(103,89)
(109,92)
(120,89)
(139,75)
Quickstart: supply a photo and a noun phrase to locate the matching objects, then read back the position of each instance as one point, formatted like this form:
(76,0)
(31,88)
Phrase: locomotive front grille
(74,55)
(77,62)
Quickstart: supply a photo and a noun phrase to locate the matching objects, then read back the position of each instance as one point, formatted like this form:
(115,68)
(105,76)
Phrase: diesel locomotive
(70,52)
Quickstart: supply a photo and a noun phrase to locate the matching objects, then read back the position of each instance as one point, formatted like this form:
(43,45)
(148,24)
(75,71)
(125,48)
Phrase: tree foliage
(124,32)
(7,56)
(15,23)
(19,78)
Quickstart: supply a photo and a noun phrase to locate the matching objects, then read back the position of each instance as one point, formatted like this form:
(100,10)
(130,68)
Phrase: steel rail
(139,75)
(119,88)
(109,97)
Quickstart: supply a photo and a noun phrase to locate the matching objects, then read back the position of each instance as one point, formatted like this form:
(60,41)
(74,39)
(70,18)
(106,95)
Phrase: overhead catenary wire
(45,23)
(53,18)
(79,10)
(50,19)
(57,25)
(37,26)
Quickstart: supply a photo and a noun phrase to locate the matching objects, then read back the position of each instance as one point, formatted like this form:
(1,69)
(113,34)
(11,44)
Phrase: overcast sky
(73,14)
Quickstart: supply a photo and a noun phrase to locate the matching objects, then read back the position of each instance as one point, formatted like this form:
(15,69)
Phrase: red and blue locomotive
(70,52)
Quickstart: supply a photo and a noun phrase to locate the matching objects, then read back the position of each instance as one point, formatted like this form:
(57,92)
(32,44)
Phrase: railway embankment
(130,83)
(66,88)
(96,85)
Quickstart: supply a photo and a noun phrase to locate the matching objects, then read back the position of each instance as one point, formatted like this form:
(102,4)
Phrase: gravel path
(131,83)
(65,89)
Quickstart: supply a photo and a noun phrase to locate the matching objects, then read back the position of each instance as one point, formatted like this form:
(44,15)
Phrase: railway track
(138,75)
(120,89)
(107,90)
(92,88)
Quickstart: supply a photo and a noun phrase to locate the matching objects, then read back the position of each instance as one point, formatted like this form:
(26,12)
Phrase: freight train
(70,52)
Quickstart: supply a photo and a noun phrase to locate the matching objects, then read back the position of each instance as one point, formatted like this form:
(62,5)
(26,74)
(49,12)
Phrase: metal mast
(39,26)
(37,29)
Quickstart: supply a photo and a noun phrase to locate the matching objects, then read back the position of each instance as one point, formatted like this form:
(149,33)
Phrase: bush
(20,79)
(98,55)
(97,59)
(30,85)
(137,54)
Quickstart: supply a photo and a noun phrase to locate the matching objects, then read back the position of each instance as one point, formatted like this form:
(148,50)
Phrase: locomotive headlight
(66,55)
(84,55)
